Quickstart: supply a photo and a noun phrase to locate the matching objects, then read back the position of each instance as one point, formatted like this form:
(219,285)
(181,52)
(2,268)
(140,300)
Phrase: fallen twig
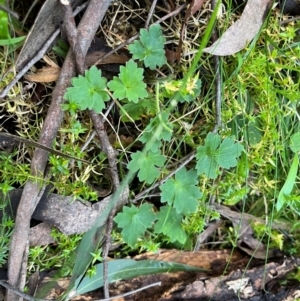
(86,31)
(110,152)
(98,122)
(21,294)
(218,82)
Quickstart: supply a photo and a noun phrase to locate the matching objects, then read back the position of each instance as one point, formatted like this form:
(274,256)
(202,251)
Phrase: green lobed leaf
(229,151)
(169,223)
(129,84)
(150,47)
(207,156)
(134,221)
(157,136)
(88,91)
(128,268)
(181,191)
(214,154)
(147,165)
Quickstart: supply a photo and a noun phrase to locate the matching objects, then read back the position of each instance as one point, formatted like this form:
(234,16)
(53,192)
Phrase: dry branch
(30,198)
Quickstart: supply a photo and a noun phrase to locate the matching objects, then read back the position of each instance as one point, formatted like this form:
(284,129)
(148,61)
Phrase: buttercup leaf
(214,154)
(134,221)
(150,47)
(147,165)
(181,191)
(169,223)
(89,91)
(129,84)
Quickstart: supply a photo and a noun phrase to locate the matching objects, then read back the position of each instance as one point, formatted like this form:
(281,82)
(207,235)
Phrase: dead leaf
(33,281)
(46,74)
(98,48)
(237,37)
(171,56)
(291,7)
(92,58)
(121,140)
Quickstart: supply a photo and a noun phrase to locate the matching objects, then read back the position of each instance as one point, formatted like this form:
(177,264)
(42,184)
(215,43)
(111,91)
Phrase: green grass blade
(12,41)
(288,185)
(129,268)
(4,31)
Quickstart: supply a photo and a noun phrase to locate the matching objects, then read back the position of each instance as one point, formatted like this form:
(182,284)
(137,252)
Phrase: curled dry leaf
(236,37)
(98,49)
(46,74)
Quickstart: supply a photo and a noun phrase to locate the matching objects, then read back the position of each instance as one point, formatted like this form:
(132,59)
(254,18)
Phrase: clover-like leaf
(89,91)
(150,47)
(129,84)
(169,223)
(214,154)
(134,222)
(147,165)
(181,191)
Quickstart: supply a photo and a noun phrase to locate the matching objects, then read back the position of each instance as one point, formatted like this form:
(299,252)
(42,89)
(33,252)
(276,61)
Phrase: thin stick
(218,82)
(35,59)
(150,13)
(41,146)
(132,292)
(29,200)
(109,150)
(71,31)
(289,20)
(9,11)
(21,294)
(30,298)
